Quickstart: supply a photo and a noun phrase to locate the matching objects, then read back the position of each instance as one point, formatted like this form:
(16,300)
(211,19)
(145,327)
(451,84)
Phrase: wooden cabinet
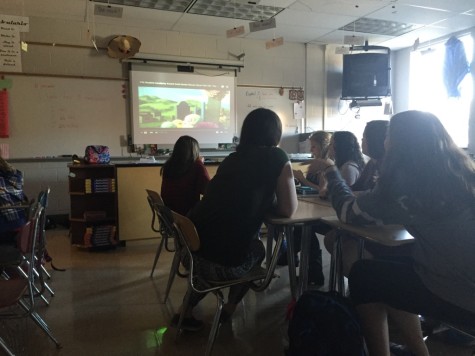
(109,202)
(134,215)
(93,213)
(134,211)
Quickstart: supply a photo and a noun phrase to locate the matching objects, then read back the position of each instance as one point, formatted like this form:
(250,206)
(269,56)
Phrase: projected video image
(169,108)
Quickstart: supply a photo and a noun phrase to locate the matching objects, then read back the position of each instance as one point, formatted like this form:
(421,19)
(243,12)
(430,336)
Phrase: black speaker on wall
(366,76)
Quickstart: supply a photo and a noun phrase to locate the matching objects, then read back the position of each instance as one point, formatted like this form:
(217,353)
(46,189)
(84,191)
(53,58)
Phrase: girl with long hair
(346,152)
(426,184)
(248,184)
(319,147)
(184,176)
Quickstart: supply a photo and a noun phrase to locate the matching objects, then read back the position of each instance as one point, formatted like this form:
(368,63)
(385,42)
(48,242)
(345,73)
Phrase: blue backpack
(324,324)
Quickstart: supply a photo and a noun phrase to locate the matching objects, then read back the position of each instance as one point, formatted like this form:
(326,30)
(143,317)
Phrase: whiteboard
(250,98)
(53,116)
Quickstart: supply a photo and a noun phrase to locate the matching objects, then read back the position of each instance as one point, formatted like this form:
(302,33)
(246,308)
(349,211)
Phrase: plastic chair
(258,279)
(163,228)
(17,299)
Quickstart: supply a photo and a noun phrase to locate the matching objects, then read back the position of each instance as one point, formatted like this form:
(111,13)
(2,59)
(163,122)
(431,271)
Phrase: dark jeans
(394,282)
(315,255)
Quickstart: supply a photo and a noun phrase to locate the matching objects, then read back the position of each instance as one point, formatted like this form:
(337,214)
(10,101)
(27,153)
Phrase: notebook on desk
(303,190)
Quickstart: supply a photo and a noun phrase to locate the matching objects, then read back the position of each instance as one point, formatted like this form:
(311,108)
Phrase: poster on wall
(4,119)
(10,44)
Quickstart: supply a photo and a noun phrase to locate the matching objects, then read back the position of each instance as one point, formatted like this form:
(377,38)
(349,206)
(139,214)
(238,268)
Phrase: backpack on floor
(324,324)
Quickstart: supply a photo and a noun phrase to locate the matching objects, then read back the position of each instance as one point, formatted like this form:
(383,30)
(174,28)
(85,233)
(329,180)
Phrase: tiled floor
(106,304)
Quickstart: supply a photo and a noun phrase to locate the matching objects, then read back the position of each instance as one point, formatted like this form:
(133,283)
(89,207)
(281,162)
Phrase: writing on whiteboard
(268,98)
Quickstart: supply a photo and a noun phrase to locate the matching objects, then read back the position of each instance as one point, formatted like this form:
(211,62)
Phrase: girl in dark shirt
(184,176)
(247,185)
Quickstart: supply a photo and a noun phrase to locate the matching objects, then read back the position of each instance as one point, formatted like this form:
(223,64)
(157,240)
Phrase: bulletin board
(54,116)
(250,98)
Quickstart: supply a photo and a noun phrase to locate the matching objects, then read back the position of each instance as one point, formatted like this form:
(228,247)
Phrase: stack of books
(101,235)
(104,185)
(88,186)
(100,185)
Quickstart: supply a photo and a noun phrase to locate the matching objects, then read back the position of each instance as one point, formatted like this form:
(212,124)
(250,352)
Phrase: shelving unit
(93,214)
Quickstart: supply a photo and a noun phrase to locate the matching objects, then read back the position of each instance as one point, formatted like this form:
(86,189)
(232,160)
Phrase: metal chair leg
(4,347)
(157,254)
(40,322)
(186,301)
(173,271)
(294,285)
(45,272)
(38,292)
(44,285)
(215,326)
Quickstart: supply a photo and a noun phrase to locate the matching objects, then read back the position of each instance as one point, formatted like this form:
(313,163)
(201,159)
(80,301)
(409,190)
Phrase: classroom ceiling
(391,23)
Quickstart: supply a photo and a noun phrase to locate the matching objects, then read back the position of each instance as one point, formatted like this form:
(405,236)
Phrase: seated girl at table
(426,184)
(346,152)
(184,176)
(11,193)
(372,146)
(319,147)
(248,184)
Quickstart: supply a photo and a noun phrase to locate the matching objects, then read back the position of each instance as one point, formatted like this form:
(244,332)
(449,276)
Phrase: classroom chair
(17,299)
(163,228)
(13,256)
(166,230)
(258,279)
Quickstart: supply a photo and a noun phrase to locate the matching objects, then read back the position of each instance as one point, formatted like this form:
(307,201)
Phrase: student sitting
(346,152)
(373,147)
(11,193)
(426,184)
(247,185)
(319,145)
(184,176)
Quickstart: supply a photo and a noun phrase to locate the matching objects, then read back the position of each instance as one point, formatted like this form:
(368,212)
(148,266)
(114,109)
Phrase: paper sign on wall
(299,110)
(20,22)
(10,49)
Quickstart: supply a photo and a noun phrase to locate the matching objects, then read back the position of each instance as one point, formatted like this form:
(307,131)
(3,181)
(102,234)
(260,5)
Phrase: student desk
(307,213)
(387,235)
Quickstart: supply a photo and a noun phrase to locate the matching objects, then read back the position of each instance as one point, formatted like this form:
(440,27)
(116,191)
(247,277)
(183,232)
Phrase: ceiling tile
(409,14)
(451,6)
(313,19)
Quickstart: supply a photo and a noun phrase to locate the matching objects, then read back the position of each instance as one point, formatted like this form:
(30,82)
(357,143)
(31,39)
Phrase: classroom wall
(61,65)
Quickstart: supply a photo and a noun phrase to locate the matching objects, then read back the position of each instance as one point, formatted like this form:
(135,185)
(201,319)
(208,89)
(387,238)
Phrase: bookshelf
(93,210)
